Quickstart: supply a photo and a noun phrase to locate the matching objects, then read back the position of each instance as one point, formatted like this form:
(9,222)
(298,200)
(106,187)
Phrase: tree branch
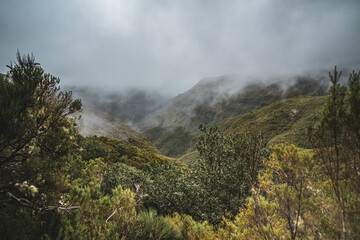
(110,216)
(27,203)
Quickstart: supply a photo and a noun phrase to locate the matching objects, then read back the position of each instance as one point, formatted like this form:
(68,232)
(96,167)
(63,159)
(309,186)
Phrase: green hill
(135,153)
(178,123)
(284,121)
(172,142)
(189,158)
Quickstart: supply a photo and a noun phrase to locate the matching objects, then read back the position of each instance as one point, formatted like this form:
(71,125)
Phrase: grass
(172,143)
(284,121)
(189,158)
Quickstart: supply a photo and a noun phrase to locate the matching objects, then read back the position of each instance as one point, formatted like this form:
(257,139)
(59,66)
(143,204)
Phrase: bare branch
(110,216)
(27,203)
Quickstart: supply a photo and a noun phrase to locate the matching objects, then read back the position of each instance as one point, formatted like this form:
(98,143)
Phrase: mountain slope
(213,100)
(180,110)
(95,122)
(284,121)
(173,128)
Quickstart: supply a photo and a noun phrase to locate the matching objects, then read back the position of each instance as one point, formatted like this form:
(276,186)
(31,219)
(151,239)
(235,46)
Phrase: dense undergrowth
(56,184)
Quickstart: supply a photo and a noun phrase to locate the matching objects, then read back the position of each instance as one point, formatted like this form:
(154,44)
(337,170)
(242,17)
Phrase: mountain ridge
(209,102)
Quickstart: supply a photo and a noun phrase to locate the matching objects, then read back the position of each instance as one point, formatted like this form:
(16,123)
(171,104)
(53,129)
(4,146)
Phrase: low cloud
(170,45)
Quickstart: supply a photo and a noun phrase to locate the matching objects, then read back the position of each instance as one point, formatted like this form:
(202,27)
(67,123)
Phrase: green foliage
(285,121)
(32,105)
(94,149)
(150,225)
(287,171)
(226,169)
(86,171)
(191,229)
(336,143)
(256,220)
(120,151)
(171,189)
(236,189)
(143,143)
(278,205)
(99,217)
(189,158)
(36,140)
(121,174)
(174,142)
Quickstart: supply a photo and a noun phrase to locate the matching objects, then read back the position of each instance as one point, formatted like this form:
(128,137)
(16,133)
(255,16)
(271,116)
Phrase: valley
(173,128)
(180,120)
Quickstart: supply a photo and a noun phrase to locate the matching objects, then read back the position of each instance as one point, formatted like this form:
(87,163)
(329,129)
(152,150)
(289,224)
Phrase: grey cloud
(170,45)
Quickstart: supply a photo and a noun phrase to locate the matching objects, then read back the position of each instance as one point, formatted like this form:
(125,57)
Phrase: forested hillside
(213,100)
(283,122)
(274,166)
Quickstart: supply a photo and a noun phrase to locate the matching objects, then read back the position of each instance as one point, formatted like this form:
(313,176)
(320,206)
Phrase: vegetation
(284,121)
(180,140)
(56,184)
(173,143)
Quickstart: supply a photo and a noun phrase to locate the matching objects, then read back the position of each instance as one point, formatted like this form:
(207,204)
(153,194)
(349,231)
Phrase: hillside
(180,110)
(172,126)
(96,122)
(285,121)
(136,152)
(131,105)
(211,101)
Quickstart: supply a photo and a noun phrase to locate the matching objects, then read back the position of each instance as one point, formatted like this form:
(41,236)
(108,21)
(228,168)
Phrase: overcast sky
(170,45)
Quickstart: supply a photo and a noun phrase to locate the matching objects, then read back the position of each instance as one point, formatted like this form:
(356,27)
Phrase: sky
(169,45)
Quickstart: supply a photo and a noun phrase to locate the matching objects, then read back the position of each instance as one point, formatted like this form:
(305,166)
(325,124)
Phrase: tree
(288,170)
(32,105)
(37,137)
(337,143)
(227,169)
(276,208)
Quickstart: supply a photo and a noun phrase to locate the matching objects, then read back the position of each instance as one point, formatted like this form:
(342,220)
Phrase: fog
(131,105)
(168,46)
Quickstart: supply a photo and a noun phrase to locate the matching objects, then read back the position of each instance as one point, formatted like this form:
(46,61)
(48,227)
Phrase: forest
(242,184)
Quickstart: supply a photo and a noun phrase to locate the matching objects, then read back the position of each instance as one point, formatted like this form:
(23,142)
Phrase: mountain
(173,129)
(172,126)
(213,100)
(96,122)
(285,121)
(131,105)
(180,110)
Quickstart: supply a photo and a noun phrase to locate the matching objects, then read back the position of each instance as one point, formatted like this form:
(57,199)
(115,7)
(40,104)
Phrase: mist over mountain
(94,122)
(170,45)
(171,124)
(213,97)
(131,105)
(180,119)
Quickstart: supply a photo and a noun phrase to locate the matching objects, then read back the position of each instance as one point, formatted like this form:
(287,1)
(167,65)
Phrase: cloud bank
(170,45)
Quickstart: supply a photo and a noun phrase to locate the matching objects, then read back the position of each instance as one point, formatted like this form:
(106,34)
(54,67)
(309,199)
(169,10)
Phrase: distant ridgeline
(173,126)
(183,115)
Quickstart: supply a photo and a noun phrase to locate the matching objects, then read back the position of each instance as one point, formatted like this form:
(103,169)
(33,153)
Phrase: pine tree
(337,143)
(31,105)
